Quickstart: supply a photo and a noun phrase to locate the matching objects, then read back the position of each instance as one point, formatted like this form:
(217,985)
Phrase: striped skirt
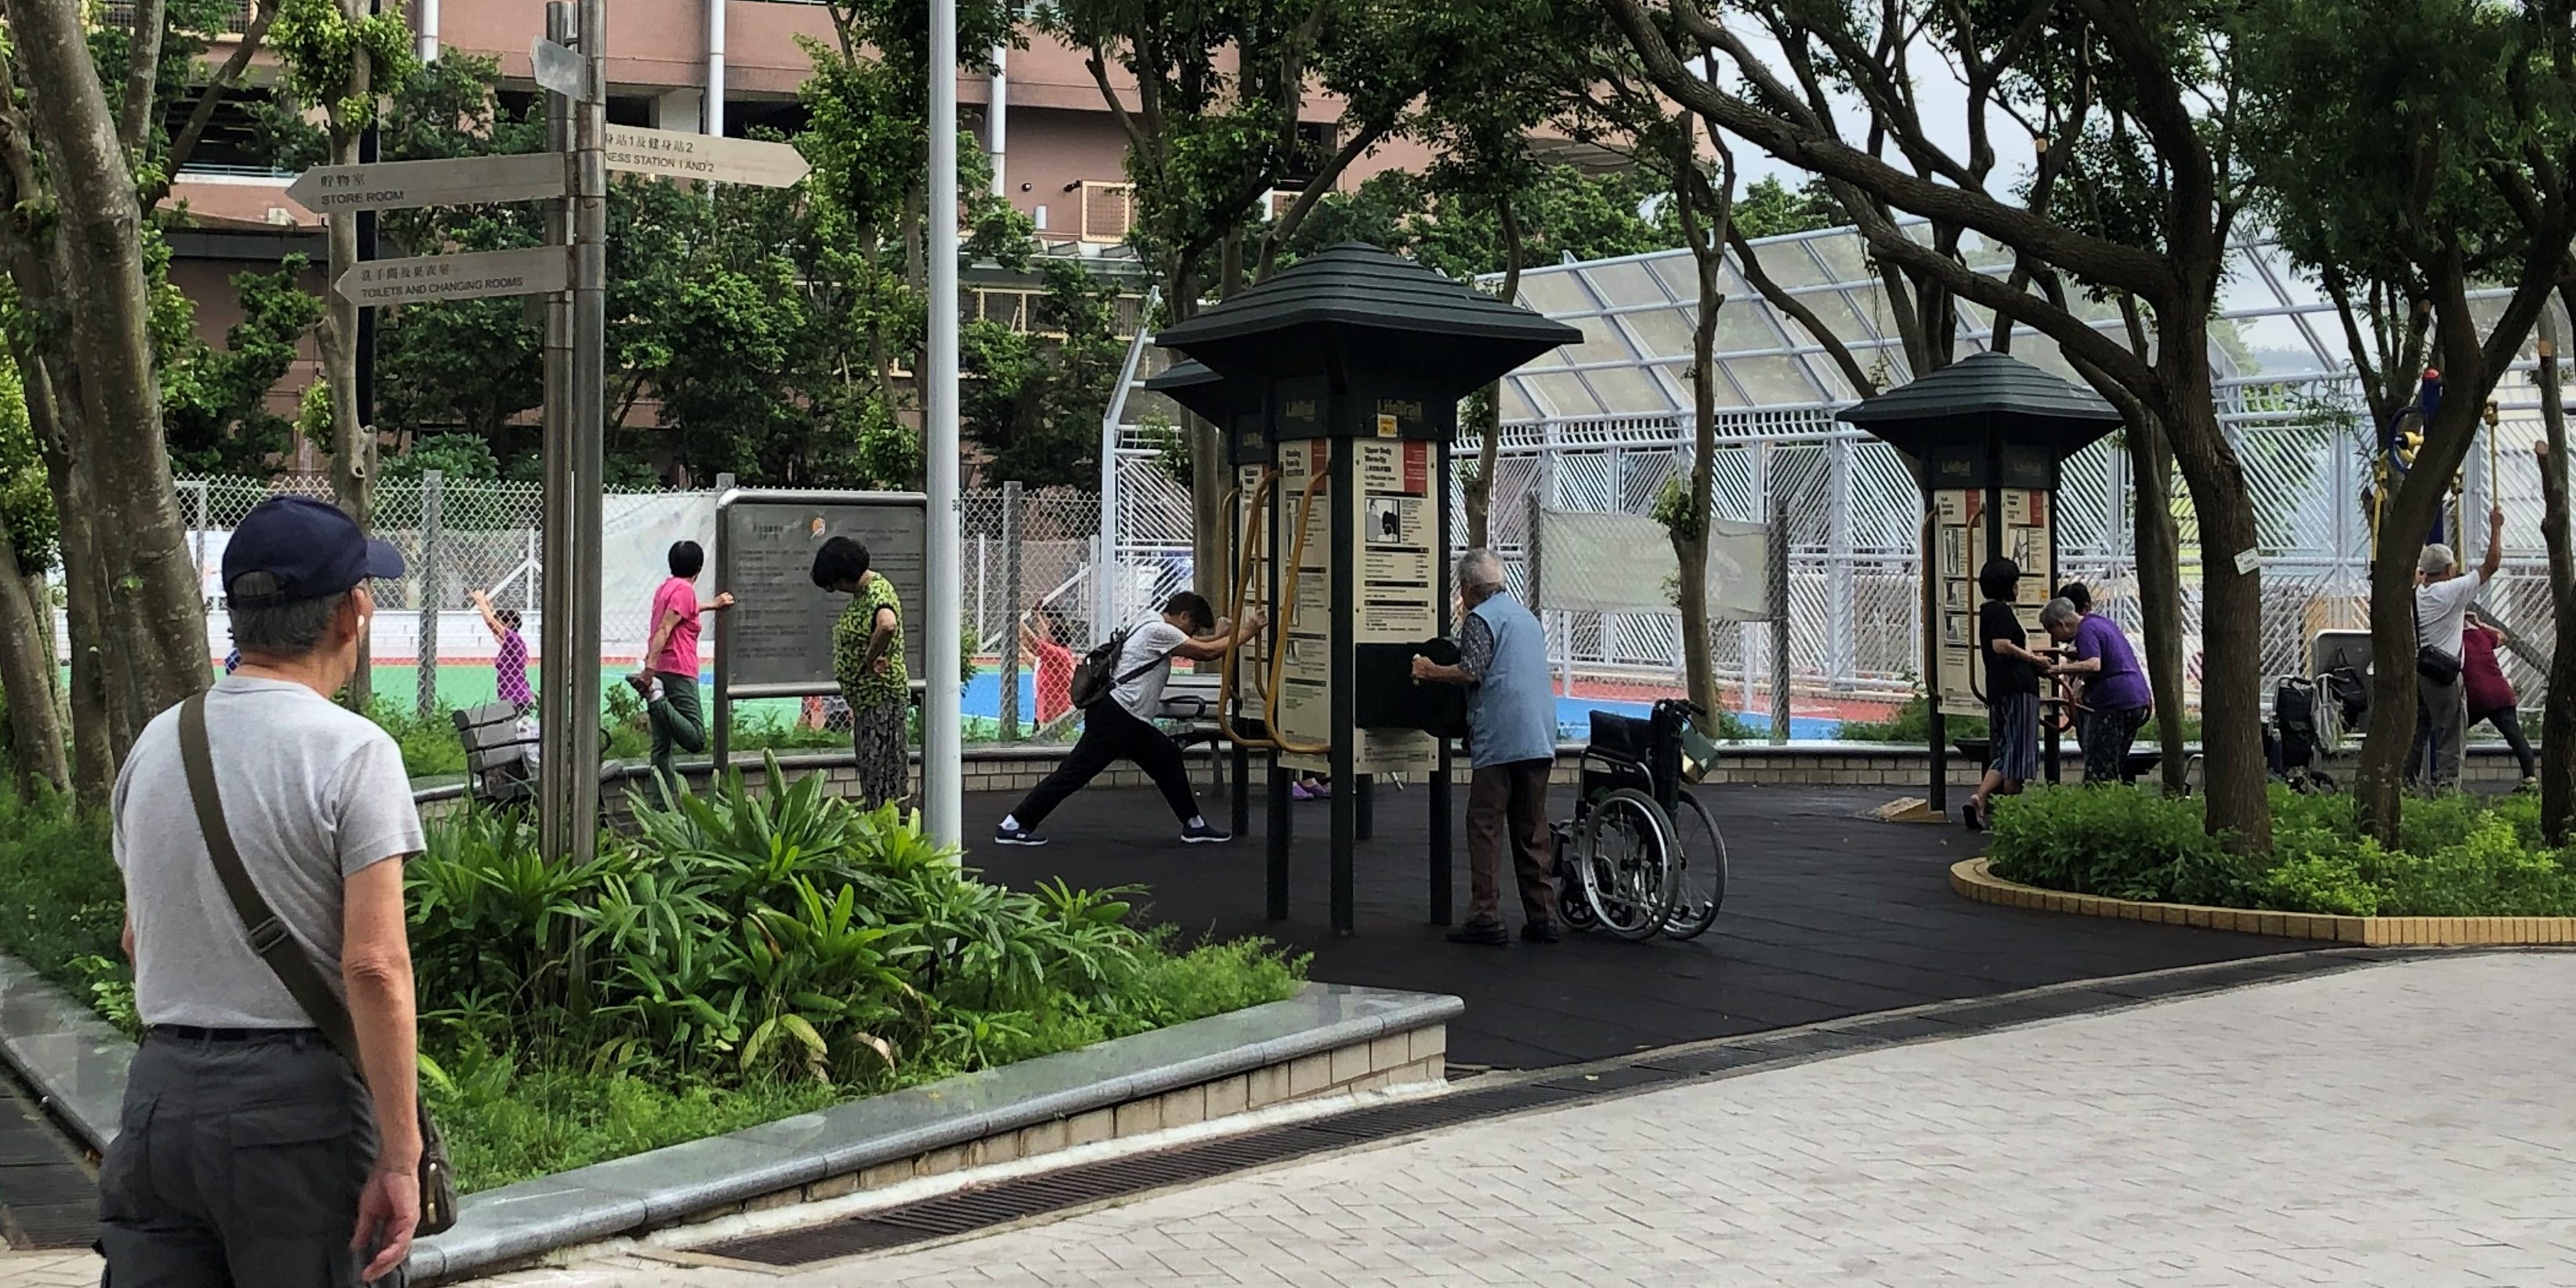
(2012,722)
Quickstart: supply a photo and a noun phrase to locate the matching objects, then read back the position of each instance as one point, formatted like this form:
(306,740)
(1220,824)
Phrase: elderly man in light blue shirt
(1511,747)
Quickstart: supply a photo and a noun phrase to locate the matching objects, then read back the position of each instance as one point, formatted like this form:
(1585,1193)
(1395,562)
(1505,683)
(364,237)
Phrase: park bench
(501,755)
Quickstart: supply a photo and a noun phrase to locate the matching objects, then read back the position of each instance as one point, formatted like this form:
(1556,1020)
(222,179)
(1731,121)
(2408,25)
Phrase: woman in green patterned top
(867,661)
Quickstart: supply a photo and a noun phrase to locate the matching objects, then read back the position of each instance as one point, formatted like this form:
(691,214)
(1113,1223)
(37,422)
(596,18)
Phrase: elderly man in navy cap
(253,1150)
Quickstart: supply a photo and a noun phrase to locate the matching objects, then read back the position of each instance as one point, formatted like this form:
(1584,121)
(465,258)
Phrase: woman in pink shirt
(668,680)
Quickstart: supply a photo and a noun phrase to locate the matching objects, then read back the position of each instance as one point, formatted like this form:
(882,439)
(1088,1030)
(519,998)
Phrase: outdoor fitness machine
(776,641)
(1985,438)
(1336,386)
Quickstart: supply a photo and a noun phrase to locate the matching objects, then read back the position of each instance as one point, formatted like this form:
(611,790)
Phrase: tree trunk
(2231,615)
(1706,214)
(2558,714)
(26,680)
(2159,542)
(2380,785)
(353,452)
(108,303)
(1690,544)
(100,730)
(1479,492)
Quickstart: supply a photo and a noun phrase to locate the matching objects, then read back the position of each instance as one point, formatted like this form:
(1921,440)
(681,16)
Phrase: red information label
(1417,467)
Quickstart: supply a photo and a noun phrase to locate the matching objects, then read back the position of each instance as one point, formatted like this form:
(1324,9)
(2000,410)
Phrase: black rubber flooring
(1828,915)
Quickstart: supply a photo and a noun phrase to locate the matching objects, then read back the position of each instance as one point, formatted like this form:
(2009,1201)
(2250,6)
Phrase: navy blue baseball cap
(294,548)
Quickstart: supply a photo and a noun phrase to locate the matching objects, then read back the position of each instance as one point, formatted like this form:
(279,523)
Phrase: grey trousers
(2442,724)
(237,1164)
(678,724)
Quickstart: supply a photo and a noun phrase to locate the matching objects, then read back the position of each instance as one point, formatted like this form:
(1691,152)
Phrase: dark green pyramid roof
(1987,393)
(1356,307)
(1197,386)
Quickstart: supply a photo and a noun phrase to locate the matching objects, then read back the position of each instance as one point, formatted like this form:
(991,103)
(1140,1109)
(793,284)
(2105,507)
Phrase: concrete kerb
(78,1063)
(1975,879)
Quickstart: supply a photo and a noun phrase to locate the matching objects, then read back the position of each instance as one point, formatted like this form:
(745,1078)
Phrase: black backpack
(1095,677)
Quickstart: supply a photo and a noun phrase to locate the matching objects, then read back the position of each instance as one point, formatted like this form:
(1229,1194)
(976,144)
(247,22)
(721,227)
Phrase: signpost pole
(589,381)
(1011,610)
(425,653)
(942,768)
(557,700)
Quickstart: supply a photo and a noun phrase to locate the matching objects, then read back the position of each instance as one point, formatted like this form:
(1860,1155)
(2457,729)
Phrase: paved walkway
(2407,1124)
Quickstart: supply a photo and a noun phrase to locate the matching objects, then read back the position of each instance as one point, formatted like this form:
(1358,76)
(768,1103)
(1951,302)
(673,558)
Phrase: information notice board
(777,639)
(1961,544)
(1304,622)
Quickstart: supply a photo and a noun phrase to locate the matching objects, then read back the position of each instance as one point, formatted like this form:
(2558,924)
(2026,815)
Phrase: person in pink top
(668,679)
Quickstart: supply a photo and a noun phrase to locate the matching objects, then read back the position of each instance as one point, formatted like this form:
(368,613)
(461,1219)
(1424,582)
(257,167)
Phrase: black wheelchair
(1641,856)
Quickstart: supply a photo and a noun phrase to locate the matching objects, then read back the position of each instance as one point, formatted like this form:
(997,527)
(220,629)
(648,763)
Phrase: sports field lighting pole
(942,763)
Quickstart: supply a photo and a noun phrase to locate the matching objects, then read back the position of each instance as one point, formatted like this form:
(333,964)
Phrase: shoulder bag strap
(268,937)
(1159,659)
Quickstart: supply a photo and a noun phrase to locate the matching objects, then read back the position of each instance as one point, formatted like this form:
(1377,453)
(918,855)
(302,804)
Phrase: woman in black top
(2012,691)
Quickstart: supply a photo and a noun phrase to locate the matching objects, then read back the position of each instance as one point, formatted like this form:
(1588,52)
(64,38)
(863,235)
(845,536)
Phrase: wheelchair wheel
(1624,860)
(1571,907)
(1698,869)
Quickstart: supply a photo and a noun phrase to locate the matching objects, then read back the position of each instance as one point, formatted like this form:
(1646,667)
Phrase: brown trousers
(1507,807)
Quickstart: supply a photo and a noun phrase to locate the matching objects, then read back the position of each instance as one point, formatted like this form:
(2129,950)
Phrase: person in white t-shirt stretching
(2442,599)
(1120,726)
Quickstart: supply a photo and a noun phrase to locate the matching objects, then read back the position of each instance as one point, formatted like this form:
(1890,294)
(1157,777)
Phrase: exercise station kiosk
(1336,385)
(1985,438)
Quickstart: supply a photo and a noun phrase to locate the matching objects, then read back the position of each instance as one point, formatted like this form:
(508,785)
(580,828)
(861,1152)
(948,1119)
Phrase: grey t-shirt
(1149,649)
(312,793)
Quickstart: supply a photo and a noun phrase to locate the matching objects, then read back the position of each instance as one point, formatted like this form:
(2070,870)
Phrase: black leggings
(1110,734)
(2508,722)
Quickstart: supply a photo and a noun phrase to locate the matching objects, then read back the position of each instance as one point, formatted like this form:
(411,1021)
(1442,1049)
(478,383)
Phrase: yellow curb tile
(2273,923)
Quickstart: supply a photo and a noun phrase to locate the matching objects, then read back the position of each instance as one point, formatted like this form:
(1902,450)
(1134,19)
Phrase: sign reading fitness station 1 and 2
(534,176)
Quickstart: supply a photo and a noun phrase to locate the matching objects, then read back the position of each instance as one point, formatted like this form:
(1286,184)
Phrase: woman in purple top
(2115,699)
(510,665)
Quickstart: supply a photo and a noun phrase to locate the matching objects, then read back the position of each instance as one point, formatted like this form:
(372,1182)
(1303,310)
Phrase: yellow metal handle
(1243,593)
(1287,607)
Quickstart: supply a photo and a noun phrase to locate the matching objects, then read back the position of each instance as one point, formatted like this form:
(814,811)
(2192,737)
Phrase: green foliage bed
(2461,856)
(736,960)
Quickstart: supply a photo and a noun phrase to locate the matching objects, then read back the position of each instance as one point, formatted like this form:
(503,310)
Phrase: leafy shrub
(62,903)
(2463,856)
(742,945)
(741,958)
(1912,725)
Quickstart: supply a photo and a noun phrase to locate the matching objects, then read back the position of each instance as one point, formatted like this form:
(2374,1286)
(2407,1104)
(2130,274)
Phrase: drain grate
(980,1207)
(984,1206)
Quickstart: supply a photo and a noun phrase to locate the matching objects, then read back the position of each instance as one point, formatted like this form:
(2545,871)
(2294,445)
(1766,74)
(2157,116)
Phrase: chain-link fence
(1030,555)
(1853,515)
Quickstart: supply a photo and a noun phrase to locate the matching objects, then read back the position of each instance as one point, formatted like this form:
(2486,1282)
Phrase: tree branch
(1324,181)
(203,114)
(2149,275)
(2072,335)
(1770,291)
(142,75)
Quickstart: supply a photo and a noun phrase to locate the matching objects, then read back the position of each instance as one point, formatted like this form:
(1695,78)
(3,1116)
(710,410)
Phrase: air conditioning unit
(281,216)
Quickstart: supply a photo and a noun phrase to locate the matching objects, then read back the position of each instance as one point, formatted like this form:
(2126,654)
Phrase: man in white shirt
(2442,599)
(1121,726)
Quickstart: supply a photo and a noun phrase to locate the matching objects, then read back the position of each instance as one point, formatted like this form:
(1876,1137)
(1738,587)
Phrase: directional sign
(458,181)
(557,68)
(674,154)
(536,271)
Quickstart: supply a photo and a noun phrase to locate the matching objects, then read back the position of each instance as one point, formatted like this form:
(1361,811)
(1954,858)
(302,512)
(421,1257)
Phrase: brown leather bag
(296,971)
